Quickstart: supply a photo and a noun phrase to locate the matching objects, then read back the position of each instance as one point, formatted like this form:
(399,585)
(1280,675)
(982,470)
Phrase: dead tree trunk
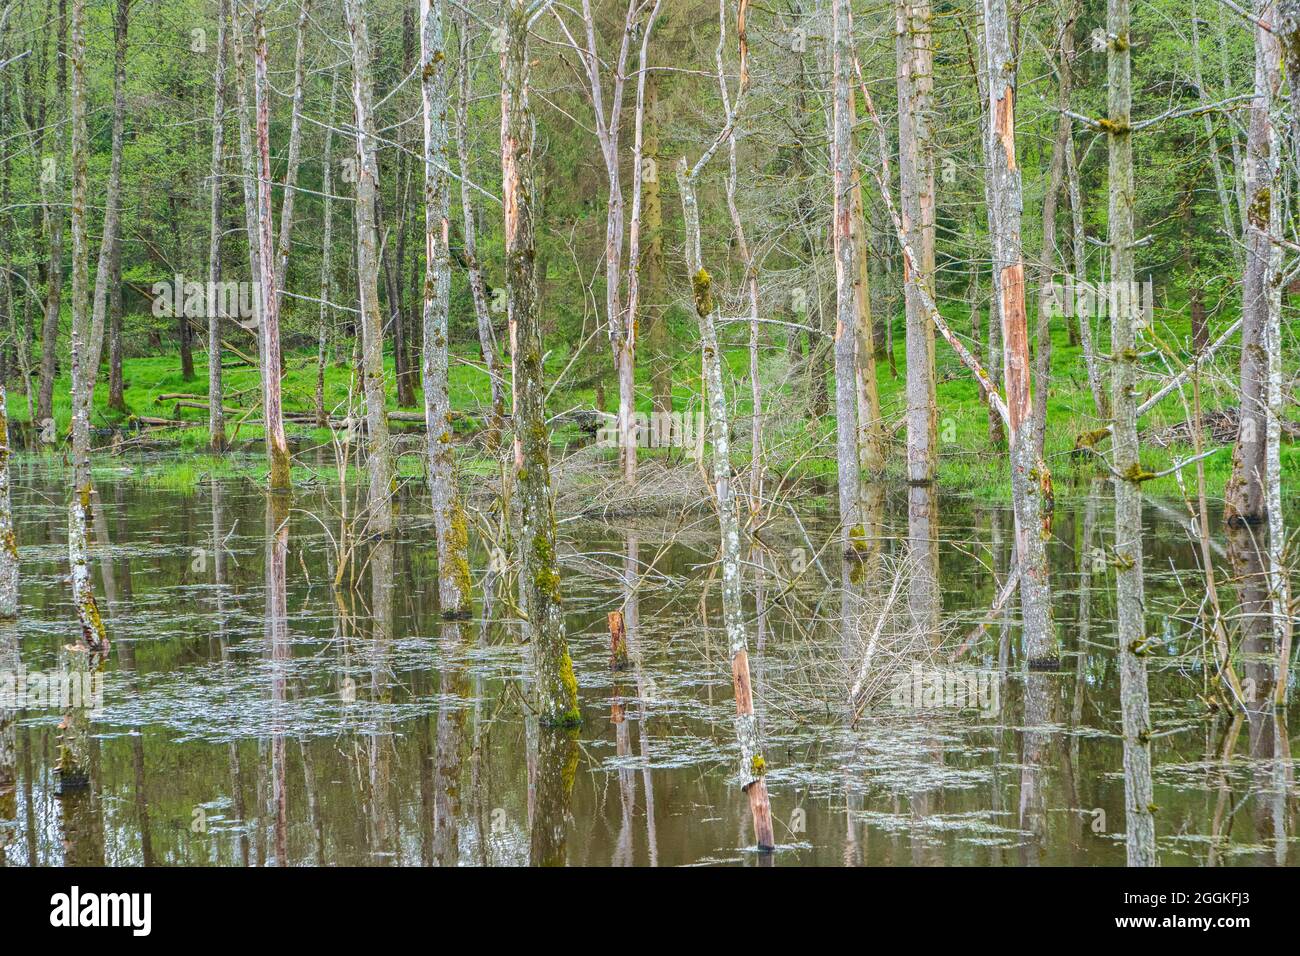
(753,766)
(295,150)
(557,689)
(8,539)
(51,198)
(327,251)
(216,392)
(916,181)
(83,381)
(474,271)
(448,513)
(1047,255)
(846,293)
(1245,493)
(1130,607)
(367,188)
(277,447)
(1030,480)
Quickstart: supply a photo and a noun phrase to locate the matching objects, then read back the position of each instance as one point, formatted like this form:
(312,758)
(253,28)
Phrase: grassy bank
(799,446)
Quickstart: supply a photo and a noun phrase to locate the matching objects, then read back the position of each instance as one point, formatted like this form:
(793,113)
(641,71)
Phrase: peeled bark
(372,364)
(1130,605)
(1030,480)
(448,512)
(556,687)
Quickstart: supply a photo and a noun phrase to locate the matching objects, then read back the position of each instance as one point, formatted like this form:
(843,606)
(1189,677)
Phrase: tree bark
(1030,480)
(367,188)
(1130,606)
(847,297)
(216,392)
(1244,496)
(448,512)
(556,687)
(916,181)
(8,540)
(1047,255)
(51,199)
(327,251)
(277,447)
(753,766)
(474,271)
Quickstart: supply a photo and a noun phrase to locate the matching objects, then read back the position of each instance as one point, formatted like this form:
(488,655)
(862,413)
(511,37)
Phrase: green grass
(798,447)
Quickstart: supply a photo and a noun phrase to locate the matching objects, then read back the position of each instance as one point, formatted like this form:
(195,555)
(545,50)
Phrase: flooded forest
(649,433)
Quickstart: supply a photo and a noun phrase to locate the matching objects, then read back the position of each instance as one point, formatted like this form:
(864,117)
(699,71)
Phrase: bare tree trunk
(751,273)
(753,766)
(1130,606)
(1079,257)
(1269,49)
(248,173)
(93,638)
(277,447)
(8,539)
(622,333)
(478,292)
(327,251)
(110,243)
(1245,494)
(1030,480)
(846,280)
(295,150)
(642,186)
(380,460)
(1231,228)
(216,392)
(1047,256)
(557,689)
(83,381)
(650,303)
(448,512)
(871,436)
(51,199)
(916,180)
(994,343)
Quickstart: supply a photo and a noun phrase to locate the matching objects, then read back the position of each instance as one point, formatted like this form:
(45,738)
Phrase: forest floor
(798,446)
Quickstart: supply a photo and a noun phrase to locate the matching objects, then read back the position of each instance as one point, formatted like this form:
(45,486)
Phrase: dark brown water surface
(358,728)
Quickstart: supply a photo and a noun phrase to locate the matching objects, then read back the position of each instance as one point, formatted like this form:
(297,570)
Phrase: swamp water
(251,716)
